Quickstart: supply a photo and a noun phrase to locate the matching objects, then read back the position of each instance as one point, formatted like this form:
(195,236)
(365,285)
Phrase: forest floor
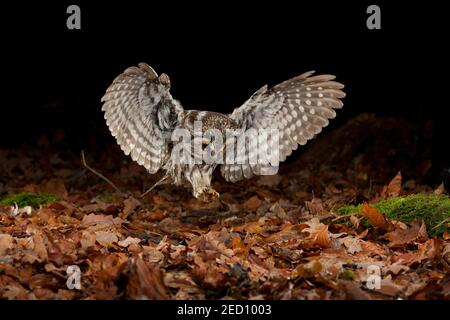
(335,223)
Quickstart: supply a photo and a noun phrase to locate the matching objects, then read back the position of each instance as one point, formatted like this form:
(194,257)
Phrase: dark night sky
(216,54)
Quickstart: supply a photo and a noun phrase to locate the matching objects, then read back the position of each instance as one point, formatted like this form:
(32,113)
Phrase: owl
(143,117)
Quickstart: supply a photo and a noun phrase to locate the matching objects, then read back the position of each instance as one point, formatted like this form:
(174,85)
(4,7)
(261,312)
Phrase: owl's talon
(207,194)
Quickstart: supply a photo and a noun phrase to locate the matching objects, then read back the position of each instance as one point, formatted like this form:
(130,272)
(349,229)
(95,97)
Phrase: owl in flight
(142,115)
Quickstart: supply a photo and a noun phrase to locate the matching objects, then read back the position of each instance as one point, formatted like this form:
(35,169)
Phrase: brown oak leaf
(376,218)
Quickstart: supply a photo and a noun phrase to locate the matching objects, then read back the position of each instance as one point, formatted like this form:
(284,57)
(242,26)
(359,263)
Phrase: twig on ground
(83,160)
(320,217)
(345,216)
(441,223)
(155,185)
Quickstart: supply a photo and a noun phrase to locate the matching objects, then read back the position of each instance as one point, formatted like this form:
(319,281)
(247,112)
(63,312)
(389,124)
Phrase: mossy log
(434,210)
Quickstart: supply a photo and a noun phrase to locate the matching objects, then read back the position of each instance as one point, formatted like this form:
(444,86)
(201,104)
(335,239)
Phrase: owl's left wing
(141,114)
(298,108)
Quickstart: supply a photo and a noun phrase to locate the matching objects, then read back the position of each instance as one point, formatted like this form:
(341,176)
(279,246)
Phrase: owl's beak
(206,194)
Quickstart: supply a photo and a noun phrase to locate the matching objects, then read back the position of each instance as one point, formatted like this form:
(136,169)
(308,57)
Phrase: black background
(280,309)
(217,53)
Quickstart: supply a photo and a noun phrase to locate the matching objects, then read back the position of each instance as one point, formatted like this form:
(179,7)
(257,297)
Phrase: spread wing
(141,114)
(299,108)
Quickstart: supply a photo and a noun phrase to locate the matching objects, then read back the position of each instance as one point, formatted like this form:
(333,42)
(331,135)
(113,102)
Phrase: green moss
(27,199)
(348,209)
(347,274)
(105,197)
(430,208)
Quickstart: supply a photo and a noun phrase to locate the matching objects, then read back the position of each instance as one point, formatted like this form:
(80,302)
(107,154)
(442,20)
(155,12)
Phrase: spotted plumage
(142,115)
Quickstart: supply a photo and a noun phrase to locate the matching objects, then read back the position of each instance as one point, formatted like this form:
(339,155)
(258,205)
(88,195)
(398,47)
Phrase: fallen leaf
(253,227)
(32,251)
(363,234)
(88,239)
(146,281)
(307,270)
(106,238)
(252,204)
(170,225)
(156,215)
(12,290)
(130,204)
(397,267)
(440,189)
(318,233)
(376,218)
(153,254)
(446,235)
(287,232)
(446,254)
(393,189)
(100,221)
(390,287)
(183,281)
(238,245)
(278,210)
(314,206)
(54,187)
(355,221)
(352,244)
(353,290)
(129,240)
(92,219)
(6,243)
(400,237)
(428,250)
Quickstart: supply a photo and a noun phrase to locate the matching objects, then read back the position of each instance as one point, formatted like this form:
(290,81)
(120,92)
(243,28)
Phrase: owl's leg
(200,179)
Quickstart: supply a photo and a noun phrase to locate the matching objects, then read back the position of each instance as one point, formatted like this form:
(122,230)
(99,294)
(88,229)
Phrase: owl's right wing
(297,108)
(141,114)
